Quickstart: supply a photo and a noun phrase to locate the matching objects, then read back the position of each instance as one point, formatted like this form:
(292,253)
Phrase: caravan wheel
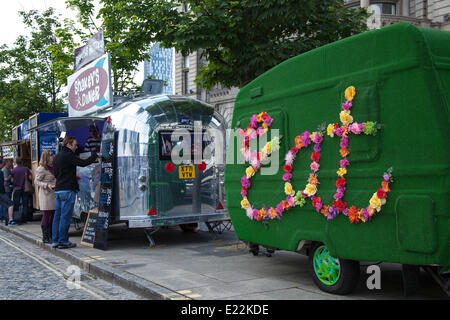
(332,275)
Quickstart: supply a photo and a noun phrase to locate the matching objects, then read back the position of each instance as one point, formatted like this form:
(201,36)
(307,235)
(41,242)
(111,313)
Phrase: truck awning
(13,143)
(67,123)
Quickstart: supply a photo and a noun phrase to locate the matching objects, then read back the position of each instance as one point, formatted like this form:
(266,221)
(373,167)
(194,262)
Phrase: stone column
(364,3)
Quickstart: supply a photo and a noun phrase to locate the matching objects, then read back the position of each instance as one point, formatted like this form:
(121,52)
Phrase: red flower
(170,167)
(287,168)
(340,205)
(201,166)
(315,156)
(340,182)
(381,194)
(316,200)
(336,126)
(294,150)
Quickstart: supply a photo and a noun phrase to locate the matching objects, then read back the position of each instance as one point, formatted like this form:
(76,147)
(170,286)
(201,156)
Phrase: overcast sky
(11,24)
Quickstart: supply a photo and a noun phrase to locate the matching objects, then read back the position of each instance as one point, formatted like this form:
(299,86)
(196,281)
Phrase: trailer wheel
(332,275)
(253,248)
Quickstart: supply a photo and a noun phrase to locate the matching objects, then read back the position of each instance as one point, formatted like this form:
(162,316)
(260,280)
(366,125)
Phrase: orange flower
(353,214)
(344,152)
(345,133)
(385,186)
(371,211)
(313,179)
(285,205)
(298,142)
(324,210)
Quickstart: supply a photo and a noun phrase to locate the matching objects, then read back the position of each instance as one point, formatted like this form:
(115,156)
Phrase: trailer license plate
(186,172)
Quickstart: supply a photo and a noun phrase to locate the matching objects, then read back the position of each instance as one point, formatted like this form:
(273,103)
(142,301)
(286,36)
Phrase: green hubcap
(326,267)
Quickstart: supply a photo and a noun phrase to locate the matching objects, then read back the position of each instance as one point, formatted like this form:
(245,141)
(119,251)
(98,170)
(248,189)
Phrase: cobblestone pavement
(31,273)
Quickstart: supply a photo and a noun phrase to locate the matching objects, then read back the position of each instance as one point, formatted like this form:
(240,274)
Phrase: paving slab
(203,266)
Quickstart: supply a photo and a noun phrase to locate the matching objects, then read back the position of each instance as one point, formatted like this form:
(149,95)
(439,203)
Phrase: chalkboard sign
(88,237)
(97,223)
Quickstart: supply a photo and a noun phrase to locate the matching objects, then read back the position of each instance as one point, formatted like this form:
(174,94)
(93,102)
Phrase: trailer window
(167,145)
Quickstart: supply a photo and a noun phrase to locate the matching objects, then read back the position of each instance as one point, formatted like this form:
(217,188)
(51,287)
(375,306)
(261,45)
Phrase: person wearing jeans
(64,203)
(65,168)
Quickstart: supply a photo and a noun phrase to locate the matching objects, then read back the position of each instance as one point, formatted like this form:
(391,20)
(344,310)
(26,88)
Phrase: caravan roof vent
(152,86)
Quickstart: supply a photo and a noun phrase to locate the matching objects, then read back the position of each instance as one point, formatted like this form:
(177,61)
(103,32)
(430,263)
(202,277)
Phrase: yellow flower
(244,203)
(310,190)
(312,135)
(262,213)
(342,171)
(266,127)
(345,117)
(350,93)
(268,148)
(288,189)
(375,202)
(330,130)
(249,172)
(360,216)
(259,117)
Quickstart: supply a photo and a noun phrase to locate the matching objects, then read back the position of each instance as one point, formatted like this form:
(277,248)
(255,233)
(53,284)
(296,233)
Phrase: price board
(97,223)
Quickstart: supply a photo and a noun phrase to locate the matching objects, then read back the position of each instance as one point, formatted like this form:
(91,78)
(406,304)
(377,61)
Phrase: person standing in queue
(65,168)
(6,203)
(20,193)
(46,180)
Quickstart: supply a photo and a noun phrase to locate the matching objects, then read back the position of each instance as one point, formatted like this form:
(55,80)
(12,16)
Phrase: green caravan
(362,134)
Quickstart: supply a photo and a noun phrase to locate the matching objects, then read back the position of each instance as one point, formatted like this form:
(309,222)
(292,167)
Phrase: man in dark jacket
(65,167)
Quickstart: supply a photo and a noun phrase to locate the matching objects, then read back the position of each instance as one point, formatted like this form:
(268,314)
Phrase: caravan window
(182,142)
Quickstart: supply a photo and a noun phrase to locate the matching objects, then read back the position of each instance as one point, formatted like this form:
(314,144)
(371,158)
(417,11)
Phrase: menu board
(88,237)
(97,223)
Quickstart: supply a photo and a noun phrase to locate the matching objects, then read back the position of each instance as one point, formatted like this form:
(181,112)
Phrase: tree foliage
(127,47)
(28,70)
(243,39)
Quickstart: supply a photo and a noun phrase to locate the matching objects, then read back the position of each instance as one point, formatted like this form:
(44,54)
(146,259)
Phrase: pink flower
(339,131)
(344,142)
(356,128)
(247,155)
(347,105)
(250,212)
(260,131)
(253,122)
(287,177)
(314,166)
(291,201)
(290,158)
(317,138)
(305,138)
(245,182)
(268,121)
(254,135)
(279,209)
(241,132)
(344,162)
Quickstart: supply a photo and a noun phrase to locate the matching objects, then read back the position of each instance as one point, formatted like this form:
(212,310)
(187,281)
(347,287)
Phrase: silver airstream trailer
(150,188)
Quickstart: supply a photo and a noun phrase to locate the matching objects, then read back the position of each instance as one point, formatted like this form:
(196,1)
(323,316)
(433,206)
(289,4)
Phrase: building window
(186,81)
(384,8)
(186,61)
